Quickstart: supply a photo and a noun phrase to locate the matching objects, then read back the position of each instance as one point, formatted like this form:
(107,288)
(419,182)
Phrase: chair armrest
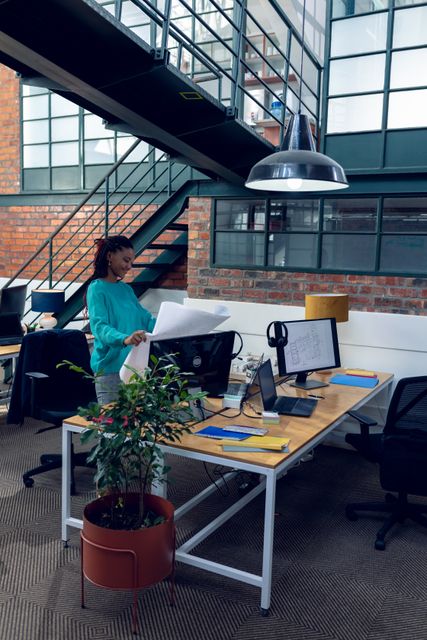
(362,419)
(36,375)
(35,378)
(364,422)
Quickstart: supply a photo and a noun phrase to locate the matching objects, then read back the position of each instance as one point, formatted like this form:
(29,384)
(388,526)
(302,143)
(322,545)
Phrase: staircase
(158,85)
(149,217)
(155,83)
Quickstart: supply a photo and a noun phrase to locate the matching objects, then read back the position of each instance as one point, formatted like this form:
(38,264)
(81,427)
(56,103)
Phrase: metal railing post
(107,205)
(50,262)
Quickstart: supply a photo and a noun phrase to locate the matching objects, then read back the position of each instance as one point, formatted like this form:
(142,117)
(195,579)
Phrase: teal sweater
(114,313)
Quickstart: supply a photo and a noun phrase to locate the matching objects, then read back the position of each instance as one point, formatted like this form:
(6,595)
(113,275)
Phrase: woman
(117,320)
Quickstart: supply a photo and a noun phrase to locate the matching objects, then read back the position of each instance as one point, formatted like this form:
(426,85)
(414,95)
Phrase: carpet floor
(329,583)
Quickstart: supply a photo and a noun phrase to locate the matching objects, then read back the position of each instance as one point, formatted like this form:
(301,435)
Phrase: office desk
(7,352)
(304,433)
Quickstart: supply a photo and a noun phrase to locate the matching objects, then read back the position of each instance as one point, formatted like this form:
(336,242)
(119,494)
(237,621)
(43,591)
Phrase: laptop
(11,331)
(242,388)
(283,405)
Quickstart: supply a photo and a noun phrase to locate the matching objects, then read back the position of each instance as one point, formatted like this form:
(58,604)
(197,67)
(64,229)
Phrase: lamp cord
(302,56)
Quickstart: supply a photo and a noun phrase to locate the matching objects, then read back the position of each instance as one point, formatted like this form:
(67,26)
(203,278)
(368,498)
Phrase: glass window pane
(342,8)
(294,215)
(36,131)
(65,129)
(405,215)
(131,14)
(409,27)
(240,249)
(65,154)
(404,3)
(95,129)
(137,154)
(99,151)
(359,35)
(292,250)
(62,107)
(358,113)
(348,252)
(36,156)
(35,107)
(357,75)
(355,214)
(407,109)
(28,90)
(408,69)
(241,214)
(404,254)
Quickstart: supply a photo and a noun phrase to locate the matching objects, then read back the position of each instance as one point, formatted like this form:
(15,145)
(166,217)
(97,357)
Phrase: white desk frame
(267,483)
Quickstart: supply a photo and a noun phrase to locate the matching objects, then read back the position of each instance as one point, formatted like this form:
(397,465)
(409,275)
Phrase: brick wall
(9,131)
(366,293)
(23,230)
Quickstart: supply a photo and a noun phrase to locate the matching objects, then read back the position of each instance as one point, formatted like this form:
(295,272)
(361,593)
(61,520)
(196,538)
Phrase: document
(173,321)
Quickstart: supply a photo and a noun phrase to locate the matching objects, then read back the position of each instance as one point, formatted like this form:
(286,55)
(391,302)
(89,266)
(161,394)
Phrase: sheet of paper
(173,321)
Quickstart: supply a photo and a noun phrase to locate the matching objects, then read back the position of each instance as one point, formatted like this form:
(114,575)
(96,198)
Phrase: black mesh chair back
(401,452)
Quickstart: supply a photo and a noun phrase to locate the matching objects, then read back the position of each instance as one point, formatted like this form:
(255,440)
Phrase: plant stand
(129,560)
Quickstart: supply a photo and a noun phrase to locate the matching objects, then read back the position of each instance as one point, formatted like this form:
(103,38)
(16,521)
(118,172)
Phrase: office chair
(44,392)
(401,452)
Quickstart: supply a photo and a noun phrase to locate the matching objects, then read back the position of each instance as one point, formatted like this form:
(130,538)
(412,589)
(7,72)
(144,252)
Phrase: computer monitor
(206,359)
(312,345)
(13,299)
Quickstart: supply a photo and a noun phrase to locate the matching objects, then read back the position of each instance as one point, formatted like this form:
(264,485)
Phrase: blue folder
(354,381)
(220,434)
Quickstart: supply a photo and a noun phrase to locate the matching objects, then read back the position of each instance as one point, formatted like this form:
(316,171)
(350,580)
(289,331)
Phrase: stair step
(177,226)
(164,245)
(153,265)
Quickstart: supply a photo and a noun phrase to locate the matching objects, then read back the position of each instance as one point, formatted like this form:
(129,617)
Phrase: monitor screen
(206,359)
(312,346)
(12,299)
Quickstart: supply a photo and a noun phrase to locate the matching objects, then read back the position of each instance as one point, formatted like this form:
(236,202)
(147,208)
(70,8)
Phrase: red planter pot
(121,559)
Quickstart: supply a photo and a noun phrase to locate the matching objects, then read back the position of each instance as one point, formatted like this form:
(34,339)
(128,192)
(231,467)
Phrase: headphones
(278,340)
(234,355)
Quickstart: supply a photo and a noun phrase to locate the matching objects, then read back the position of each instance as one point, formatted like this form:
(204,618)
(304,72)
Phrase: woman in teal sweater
(117,320)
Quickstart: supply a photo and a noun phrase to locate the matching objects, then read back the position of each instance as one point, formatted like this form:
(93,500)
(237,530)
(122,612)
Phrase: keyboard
(294,406)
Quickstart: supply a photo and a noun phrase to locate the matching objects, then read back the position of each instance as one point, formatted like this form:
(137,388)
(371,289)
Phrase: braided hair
(103,247)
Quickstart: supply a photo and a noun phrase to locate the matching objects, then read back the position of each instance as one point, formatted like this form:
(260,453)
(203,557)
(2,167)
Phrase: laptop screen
(267,385)
(10,325)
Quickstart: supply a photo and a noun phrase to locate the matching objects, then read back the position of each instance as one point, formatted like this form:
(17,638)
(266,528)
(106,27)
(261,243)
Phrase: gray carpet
(328,581)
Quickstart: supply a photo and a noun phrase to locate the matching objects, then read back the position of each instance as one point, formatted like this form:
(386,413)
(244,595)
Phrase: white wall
(381,341)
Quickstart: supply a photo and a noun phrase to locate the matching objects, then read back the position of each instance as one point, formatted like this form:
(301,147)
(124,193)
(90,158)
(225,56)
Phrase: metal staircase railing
(268,37)
(64,259)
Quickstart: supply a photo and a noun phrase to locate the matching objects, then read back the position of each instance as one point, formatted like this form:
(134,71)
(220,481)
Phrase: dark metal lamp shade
(47,300)
(297,166)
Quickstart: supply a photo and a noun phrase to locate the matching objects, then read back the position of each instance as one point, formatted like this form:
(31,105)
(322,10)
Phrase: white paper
(173,321)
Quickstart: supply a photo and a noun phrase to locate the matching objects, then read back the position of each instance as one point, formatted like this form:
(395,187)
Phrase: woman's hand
(135,338)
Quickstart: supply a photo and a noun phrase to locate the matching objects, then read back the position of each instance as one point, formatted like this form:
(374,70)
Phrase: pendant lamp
(297,166)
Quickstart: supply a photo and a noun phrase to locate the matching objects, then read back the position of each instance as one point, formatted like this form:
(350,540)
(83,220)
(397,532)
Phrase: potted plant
(128,537)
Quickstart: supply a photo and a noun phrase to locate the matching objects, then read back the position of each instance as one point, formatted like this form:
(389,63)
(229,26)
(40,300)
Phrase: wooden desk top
(9,351)
(338,399)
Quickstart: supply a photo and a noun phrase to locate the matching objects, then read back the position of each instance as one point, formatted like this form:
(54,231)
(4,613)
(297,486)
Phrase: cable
(217,471)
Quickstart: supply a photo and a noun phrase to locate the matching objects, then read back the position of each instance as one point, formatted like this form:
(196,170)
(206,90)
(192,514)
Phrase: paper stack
(265,444)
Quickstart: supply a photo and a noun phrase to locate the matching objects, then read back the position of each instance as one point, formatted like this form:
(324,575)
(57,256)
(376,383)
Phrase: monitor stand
(301,382)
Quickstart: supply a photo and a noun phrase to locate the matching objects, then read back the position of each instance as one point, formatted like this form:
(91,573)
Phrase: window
(359,235)
(63,146)
(377,91)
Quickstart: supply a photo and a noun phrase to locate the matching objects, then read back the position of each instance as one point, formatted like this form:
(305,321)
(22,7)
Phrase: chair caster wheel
(28,482)
(264,612)
(350,513)
(379,545)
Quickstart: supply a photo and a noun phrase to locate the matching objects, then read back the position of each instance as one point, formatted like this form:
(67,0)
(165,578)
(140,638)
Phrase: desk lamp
(47,301)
